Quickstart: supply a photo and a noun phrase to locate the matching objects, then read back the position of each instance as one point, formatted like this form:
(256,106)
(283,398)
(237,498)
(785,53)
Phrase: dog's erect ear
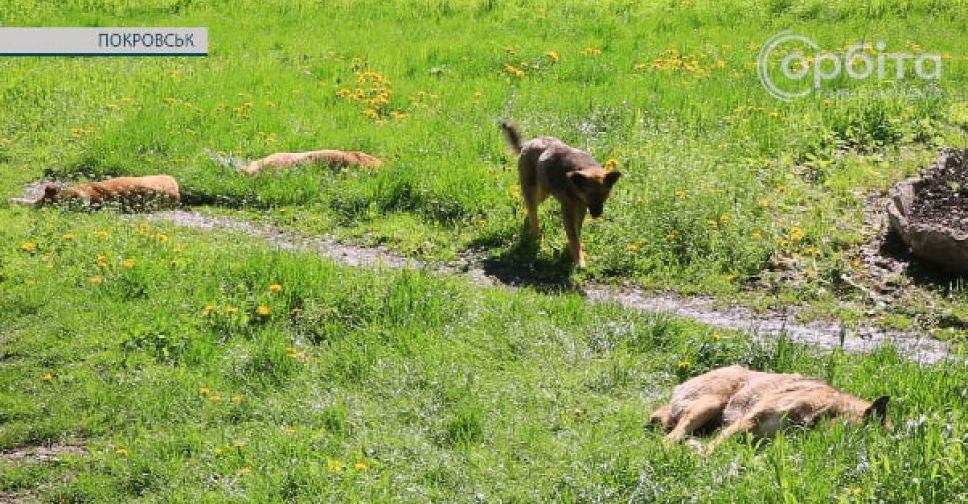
(612,177)
(877,409)
(578,178)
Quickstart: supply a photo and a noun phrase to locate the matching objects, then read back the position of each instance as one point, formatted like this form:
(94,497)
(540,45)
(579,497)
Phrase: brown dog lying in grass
(549,167)
(328,157)
(757,402)
(125,193)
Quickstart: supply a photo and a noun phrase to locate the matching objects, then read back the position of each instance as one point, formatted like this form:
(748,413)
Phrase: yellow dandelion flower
(231,309)
(720,64)
(684,364)
(774,114)
(725,219)
(672,235)
(28,247)
(552,55)
(731,277)
(170,100)
(756,235)
(290,430)
(47,377)
(214,397)
(121,452)
(640,67)
(680,193)
(632,247)
(361,466)
(717,336)
(590,51)
(96,280)
(245,470)
(262,310)
(334,466)
(828,101)
(69,236)
(796,234)
(238,443)
(161,237)
(102,234)
(611,164)
(295,311)
(275,288)
(128,263)
(764,203)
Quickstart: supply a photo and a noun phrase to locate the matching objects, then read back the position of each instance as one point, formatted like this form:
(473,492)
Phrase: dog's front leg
(572,222)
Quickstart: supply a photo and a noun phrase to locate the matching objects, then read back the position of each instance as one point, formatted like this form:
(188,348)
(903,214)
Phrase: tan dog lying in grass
(329,157)
(126,193)
(547,166)
(757,402)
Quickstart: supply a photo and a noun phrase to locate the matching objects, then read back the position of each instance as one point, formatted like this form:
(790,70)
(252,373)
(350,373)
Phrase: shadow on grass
(522,265)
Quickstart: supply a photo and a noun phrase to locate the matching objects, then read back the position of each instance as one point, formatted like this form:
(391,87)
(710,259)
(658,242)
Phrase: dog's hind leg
(700,412)
(530,190)
(662,416)
(745,424)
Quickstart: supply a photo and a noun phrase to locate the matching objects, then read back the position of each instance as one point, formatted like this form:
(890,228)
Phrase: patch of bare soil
(34,454)
(700,309)
(941,198)
(18,498)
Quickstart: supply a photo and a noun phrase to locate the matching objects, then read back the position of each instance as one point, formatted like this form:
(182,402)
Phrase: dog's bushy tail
(512,136)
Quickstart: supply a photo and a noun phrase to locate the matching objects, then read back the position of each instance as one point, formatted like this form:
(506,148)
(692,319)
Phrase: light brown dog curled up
(761,403)
(547,166)
(126,193)
(328,157)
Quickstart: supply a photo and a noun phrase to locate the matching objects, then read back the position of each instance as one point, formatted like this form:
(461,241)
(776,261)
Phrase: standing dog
(547,166)
(126,193)
(761,403)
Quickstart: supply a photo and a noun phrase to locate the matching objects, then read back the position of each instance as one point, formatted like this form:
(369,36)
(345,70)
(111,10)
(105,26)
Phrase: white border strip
(104,41)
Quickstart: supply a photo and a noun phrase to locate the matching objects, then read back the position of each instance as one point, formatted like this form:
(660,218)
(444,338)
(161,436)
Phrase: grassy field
(187,376)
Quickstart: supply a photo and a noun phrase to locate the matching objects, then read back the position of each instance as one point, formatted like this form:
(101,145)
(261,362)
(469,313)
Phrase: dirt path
(825,335)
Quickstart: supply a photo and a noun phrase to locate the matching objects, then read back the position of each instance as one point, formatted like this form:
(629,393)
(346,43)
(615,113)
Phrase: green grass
(182,391)
(444,390)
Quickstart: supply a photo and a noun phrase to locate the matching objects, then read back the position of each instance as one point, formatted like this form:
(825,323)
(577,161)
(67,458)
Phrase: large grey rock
(937,243)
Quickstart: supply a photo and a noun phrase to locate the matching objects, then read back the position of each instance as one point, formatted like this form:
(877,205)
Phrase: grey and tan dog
(742,401)
(548,166)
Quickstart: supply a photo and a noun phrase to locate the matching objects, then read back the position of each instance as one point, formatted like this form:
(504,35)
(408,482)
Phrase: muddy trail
(768,325)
